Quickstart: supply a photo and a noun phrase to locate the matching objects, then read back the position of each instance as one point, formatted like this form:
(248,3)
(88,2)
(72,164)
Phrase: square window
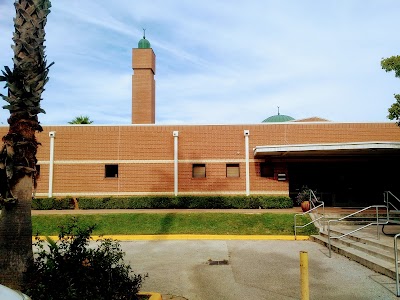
(232,170)
(111,171)
(199,171)
(266,169)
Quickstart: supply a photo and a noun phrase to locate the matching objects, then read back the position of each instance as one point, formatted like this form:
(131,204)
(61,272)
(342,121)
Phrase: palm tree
(81,120)
(25,85)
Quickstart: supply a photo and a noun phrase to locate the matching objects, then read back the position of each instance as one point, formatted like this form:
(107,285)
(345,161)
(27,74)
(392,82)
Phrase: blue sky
(218,62)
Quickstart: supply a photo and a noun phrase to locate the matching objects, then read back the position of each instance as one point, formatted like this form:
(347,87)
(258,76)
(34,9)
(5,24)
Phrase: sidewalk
(253,270)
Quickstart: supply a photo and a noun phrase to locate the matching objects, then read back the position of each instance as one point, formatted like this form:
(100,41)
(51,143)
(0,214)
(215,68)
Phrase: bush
(52,203)
(193,202)
(161,202)
(69,269)
(276,202)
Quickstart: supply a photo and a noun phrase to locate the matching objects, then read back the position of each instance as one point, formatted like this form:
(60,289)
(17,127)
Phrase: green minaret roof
(278,118)
(143,43)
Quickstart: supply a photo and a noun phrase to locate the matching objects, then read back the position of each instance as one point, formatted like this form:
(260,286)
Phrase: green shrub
(70,269)
(43,203)
(276,202)
(255,201)
(92,203)
(52,203)
(239,202)
(160,202)
(183,202)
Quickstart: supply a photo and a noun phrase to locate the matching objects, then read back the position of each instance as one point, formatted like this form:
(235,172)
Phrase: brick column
(143,86)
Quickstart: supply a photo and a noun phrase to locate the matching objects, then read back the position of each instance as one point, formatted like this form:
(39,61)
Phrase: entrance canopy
(344,174)
(329,149)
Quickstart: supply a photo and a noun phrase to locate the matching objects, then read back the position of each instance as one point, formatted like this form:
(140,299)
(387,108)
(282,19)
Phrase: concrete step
(380,251)
(358,219)
(372,240)
(337,214)
(369,259)
(357,216)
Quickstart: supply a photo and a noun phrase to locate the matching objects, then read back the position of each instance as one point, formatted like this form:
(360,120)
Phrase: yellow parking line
(197,237)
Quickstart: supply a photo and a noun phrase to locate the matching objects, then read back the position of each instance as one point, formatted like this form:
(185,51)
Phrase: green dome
(144,44)
(278,118)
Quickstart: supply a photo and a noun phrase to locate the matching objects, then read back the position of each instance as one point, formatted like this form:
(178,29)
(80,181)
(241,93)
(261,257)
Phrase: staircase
(363,246)
(358,234)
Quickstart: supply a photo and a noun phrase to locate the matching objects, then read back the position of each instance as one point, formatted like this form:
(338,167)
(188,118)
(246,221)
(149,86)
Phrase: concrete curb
(153,296)
(196,237)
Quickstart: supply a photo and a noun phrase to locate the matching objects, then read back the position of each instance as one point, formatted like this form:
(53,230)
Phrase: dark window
(232,170)
(111,171)
(199,171)
(266,169)
(37,171)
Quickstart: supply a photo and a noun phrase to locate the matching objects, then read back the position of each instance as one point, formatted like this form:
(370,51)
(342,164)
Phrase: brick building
(347,163)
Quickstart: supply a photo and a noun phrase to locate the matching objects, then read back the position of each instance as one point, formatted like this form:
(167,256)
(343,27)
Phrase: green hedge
(53,203)
(199,202)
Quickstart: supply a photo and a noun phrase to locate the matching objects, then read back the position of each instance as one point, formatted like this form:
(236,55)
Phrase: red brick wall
(145,155)
(144,59)
(143,86)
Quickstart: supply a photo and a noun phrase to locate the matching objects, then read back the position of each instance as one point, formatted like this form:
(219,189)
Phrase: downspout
(246,143)
(176,134)
(52,135)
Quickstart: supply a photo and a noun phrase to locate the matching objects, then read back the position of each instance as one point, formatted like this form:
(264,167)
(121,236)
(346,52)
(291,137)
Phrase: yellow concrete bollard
(305,288)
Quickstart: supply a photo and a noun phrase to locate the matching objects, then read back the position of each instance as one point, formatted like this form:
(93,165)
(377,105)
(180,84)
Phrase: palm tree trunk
(16,235)
(18,155)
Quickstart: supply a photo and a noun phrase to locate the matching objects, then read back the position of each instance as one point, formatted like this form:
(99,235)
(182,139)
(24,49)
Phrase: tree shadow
(166,223)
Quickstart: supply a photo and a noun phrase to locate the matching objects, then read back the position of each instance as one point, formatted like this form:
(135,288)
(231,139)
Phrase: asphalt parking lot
(254,270)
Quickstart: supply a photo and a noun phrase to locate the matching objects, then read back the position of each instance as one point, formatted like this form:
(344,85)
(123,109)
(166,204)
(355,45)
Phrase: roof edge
(325,147)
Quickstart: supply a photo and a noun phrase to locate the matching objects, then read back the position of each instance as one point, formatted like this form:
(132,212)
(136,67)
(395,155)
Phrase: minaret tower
(143,83)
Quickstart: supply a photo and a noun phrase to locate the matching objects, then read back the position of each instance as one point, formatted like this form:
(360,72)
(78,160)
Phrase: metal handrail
(360,228)
(396,264)
(311,222)
(386,195)
(313,200)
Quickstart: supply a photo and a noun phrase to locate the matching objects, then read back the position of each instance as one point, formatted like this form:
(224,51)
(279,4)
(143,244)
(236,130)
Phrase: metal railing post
(329,239)
(396,262)
(386,195)
(377,223)
(323,217)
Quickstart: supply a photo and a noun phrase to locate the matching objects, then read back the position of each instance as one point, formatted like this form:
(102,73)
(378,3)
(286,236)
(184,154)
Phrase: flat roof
(292,123)
(329,149)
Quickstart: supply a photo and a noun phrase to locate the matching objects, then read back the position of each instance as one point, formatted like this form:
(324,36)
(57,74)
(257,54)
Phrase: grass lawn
(175,223)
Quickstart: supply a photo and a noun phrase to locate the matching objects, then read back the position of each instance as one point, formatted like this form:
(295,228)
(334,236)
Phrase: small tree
(81,120)
(393,64)
(70,270)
